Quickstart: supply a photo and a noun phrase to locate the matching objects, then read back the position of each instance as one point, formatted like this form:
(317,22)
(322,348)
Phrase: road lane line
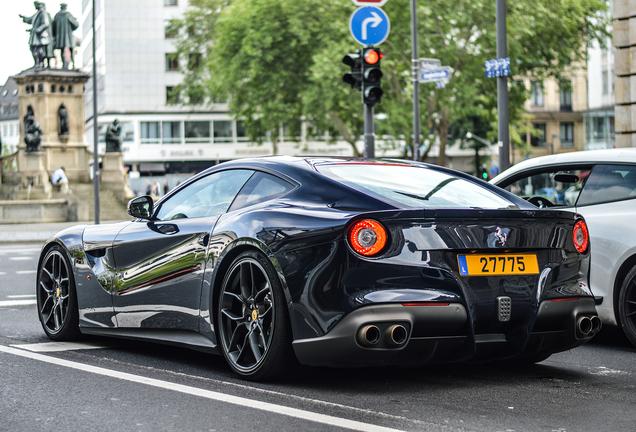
(22,296)
(21,258)
(8,303)
(194,391)
(2,273)
(62,346)
(13,251)
(26,272)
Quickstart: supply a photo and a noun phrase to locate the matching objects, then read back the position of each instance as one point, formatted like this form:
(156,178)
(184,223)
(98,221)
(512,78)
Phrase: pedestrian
(166,188)
(148,188)
(156,190)
(59,178)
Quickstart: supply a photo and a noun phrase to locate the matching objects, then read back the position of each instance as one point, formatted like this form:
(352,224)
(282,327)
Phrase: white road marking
(14,251)
(220,397)
(8,303)
(2,273)
(22,296)
(26,272)
(22,258)
(62,346)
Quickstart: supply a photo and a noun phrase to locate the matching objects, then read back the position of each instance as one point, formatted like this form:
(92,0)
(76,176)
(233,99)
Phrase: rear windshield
(412,187)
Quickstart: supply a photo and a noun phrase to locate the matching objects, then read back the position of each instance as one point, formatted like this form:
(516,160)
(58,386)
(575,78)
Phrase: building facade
(624,41)
(9,117)
(136,73)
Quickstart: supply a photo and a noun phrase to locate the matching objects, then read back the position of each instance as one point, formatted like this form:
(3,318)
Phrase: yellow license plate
(495,265)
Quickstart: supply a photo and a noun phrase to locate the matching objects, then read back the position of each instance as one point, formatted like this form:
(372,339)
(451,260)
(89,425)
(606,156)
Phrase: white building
(135,75)
(9,117)
(599,117)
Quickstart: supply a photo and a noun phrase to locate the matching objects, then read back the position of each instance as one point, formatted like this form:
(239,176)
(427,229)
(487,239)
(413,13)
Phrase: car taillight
(367,237)
(581,236)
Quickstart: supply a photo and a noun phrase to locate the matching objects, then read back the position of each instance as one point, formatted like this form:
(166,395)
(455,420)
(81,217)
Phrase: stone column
(624,14)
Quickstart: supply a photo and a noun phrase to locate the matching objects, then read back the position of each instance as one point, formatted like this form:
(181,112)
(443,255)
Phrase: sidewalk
(35,232)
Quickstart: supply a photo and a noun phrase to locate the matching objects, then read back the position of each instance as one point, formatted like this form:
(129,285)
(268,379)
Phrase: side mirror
(562,177)
(140,207)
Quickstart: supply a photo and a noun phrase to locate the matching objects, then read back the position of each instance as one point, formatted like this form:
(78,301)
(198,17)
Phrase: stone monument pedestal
(114,177)
(35,182)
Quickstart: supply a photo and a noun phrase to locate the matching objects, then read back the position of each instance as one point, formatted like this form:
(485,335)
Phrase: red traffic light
(372,56)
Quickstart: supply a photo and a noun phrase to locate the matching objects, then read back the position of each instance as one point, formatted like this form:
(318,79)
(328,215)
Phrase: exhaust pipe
(395,335)
(596,324)
(585,325)
(368,335)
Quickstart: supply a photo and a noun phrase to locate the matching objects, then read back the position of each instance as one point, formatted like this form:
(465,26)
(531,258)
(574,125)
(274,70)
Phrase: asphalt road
(106,384)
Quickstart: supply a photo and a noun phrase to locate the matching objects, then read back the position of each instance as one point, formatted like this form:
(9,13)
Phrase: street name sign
(430,63)
(369,25)
(433,75)
(498,67)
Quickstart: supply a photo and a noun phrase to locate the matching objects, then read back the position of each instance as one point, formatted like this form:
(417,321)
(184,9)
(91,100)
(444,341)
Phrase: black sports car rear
(338,262)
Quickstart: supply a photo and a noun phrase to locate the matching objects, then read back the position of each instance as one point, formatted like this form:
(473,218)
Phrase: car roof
(619,155)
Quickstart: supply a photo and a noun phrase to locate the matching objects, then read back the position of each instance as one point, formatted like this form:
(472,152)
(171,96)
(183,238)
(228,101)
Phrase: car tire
(627,306)
(56,296)
(253,320)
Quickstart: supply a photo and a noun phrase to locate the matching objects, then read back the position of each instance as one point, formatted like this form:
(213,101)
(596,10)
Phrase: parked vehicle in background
(601,186)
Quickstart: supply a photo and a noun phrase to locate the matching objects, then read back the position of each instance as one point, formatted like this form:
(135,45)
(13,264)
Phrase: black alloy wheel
(254,328)
(627,306)
(56,301)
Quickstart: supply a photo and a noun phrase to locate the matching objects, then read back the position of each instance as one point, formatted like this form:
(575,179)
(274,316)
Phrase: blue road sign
(498,67)
(432,75)
(369,25)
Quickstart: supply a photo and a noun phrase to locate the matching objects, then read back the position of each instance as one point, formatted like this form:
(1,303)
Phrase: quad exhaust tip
(589,325)
(395,335)
(369,335)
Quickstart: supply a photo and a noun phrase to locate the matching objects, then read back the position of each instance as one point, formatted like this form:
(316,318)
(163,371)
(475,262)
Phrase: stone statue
(113,137)
(40,40)
(62,115)
(32,132)
(63,26)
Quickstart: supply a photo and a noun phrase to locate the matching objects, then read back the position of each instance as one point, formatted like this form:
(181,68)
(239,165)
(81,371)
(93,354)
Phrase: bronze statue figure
(63,26)
(32,132)
(62,115)
(113,137)
(40,40)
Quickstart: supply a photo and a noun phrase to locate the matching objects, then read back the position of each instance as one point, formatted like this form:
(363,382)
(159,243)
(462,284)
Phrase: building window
(536,93)
(241,134)
(172,62)
(567,135)
(538,140)
(170,2)
(171,132)
(149,132)
(197,132)
(605,82)
(194,61)
(565,96)
(170,33)
(172,95)
(222,131)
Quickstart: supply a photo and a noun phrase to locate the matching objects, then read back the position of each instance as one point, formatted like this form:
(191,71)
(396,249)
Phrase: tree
(279,61)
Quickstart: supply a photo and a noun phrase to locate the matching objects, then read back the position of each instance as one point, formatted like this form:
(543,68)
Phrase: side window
(545,184)
(261,187)
(208,196)
(609,183)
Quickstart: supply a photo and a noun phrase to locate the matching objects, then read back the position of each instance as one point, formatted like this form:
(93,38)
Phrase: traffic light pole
(369,132)
(416,85)
(502,90)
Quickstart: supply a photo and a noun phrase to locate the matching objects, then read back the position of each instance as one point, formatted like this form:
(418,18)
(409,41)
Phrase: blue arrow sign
(432,75)
(369,25)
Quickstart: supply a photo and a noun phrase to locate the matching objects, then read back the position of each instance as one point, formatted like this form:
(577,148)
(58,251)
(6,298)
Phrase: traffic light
(483,173)
(354,78)
(372,75)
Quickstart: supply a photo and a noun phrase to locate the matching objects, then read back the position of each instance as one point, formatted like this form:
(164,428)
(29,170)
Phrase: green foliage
(277,61)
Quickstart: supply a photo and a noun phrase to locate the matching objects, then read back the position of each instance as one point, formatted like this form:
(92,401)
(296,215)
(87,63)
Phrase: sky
(15,55)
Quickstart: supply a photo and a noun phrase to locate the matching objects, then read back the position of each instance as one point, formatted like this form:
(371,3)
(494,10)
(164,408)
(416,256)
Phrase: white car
(601,186)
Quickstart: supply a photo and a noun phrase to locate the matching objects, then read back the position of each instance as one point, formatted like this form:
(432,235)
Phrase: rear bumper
(439,334)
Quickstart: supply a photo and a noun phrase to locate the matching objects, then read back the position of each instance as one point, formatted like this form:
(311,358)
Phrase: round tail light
(367,237)
(581,236)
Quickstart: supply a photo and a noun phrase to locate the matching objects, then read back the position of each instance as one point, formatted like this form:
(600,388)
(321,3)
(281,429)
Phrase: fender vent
(504,308)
